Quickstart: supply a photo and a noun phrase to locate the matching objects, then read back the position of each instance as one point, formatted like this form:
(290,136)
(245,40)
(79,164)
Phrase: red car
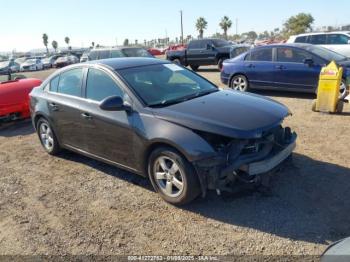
(14,96)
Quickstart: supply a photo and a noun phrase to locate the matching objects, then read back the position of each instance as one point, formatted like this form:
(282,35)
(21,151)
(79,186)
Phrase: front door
(109,134)
(291,71)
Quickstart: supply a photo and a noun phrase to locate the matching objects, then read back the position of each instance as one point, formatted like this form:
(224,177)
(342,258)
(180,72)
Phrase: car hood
(228,113)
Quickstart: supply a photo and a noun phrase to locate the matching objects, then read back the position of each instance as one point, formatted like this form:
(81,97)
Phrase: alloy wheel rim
(168,176)
(46,136)
(239,84)
(342,89)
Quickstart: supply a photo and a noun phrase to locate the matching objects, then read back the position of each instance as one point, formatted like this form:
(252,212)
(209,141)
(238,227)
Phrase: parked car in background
(65,60)
(155,51)
(115,52)
(163,121)
(32,64)
(335,41)
(288,67)
(48,62)
(236,50)
(14,95)
(201,52)
(9,66)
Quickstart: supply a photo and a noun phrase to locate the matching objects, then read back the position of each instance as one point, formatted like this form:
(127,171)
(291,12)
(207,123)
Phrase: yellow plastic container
(328,89)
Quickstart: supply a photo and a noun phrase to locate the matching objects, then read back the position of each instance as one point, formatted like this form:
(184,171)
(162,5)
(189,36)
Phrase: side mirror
(308,61)
(208,47)
(114,103)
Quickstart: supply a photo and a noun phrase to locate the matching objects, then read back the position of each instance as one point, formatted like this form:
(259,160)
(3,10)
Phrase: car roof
(300,45)
(114,48)
(128,62)
(322,33)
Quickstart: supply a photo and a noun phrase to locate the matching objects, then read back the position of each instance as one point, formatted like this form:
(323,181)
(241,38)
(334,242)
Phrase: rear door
(291,71)
(196,53)
(63,102)
(109,133)
(259,68)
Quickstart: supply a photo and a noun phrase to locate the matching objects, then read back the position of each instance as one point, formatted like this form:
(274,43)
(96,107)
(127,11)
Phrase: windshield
(326,53)
(165,84)
(136,52)
(220,43)
(31,61)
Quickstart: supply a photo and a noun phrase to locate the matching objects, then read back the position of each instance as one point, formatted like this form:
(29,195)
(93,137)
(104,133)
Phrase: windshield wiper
(183,99)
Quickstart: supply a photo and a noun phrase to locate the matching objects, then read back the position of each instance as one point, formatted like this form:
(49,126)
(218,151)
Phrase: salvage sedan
(162,121)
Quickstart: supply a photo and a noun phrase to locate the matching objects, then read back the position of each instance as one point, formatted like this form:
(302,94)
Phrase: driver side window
(99,86)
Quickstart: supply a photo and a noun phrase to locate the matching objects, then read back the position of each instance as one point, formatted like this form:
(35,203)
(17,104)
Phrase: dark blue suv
(288,67)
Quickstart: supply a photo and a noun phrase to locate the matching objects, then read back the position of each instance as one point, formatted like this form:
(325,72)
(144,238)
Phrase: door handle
(86,116)
(280,67)
(251,65)
(54,106)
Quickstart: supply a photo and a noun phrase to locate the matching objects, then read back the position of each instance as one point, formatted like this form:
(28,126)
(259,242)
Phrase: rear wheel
(194,67)
(172,176)
(47,137)
(343,89)
(220,62)
(239,83)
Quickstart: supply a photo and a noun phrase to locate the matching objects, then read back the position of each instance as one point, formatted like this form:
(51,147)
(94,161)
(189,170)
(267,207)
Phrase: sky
(109,22)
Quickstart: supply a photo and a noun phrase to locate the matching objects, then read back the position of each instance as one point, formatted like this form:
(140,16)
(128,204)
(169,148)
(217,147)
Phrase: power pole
(182,29)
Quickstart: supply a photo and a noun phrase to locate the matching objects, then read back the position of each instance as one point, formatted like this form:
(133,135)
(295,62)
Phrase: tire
(47,137)
(177,184)
(177,61)
(220,62)
(340,106)
(343,89)
(239,83)
(194,67)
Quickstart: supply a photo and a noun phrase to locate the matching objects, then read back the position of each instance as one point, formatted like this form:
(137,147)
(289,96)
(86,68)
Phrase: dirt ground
(74,205)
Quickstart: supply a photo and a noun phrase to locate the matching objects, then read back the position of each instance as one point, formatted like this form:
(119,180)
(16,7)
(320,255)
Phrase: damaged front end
(244,160)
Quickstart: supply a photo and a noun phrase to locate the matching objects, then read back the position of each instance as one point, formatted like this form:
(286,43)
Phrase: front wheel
(177,61)
(172,176)
(239,83)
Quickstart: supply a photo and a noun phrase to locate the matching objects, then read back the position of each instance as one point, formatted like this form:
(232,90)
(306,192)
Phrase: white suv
(336,41)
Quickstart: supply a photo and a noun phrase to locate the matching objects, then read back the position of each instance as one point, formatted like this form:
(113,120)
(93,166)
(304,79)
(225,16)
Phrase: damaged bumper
(246,160)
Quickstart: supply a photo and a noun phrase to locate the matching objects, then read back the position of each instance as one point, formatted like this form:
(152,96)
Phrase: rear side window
(54,84)
(100,85)
(317,39)
(301,39)
(337,39)
(291,55)
(194,45)
(70,82)
(261,54)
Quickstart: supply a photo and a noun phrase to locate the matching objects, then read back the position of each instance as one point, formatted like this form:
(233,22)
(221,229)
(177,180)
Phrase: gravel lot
(74,205)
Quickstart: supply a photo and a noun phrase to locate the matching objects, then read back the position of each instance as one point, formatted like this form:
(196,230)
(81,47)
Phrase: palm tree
(54,45)
(46,42)
(66,39)
(201,24)
(225,24)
